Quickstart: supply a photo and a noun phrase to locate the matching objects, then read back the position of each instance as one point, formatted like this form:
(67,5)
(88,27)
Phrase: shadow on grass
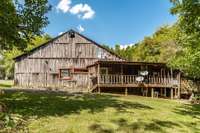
(42,105)
(153,126)
(139,126)
(97,128)
(189,109)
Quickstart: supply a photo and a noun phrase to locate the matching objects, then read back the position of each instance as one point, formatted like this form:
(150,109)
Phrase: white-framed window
(65,74)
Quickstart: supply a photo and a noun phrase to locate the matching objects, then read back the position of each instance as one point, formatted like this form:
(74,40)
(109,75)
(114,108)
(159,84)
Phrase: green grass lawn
(6,84)
(103,113)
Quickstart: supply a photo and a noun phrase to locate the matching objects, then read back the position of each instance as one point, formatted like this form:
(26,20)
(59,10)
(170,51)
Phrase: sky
(109,22)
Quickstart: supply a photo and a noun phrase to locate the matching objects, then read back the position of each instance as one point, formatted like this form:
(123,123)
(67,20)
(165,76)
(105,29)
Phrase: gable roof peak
(71,30)
(67,32)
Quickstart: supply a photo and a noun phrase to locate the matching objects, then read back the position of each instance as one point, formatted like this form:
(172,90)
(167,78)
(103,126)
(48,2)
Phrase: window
(35,73)
(71,34)
(65,74)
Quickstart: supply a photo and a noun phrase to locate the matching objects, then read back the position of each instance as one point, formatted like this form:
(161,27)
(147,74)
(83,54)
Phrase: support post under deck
(98,78)
(99,90)
(175,92)
(165,92)
(161,91)
(172,93)
(152,92)
(126,91)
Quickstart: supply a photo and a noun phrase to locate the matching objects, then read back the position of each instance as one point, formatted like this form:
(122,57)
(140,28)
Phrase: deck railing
(131,79)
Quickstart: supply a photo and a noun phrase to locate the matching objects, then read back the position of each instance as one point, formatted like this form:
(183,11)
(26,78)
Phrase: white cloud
(64,5)
(125,46)
(80,29)
(83,11)
(60,33)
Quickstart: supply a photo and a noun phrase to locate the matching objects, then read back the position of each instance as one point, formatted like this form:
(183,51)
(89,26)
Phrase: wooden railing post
(122,79)
(121,73)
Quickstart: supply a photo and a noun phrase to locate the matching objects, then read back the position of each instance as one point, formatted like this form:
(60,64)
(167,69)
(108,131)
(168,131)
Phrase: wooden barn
(73,62)
(60,63)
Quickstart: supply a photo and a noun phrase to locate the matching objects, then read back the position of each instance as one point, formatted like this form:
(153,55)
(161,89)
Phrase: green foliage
(10,122)
(159,47)
(8,62)
(8,55)
(56,112)
(38,40)
(107,47)
(20,22)
(178,45)
(188,59)
(126,53)
(6,84)
(188,12)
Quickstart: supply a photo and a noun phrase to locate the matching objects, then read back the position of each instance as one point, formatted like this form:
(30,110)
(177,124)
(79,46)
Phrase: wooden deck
(147,79)
(109,80)
(129,81)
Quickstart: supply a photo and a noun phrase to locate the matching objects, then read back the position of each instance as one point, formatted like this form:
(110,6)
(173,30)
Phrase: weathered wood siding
(40,68)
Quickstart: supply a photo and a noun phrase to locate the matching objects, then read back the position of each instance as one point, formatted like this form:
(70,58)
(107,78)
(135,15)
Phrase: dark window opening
(80,70)
(35,74)
(71,34)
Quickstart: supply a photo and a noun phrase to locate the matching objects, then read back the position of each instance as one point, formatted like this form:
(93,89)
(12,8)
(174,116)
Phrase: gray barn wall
(41,67)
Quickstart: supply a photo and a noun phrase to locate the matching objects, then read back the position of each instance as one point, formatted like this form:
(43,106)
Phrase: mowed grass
(105,113)
(6,84)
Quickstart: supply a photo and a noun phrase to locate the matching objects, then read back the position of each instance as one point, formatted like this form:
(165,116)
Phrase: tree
(160,47)
(20,22)
(188,12)
(188,59)
(7,62)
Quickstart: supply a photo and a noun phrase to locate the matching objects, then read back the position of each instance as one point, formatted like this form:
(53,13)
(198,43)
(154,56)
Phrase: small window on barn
(72,34)
(35,73)
(65,74)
